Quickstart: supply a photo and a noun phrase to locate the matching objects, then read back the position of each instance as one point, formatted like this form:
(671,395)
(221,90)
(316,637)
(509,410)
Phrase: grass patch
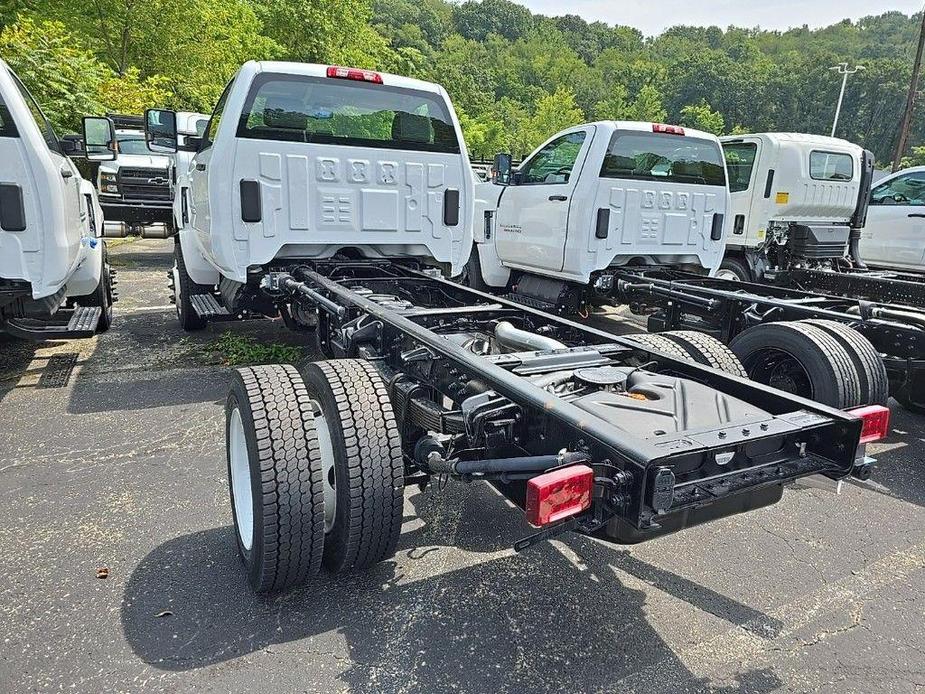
(242,350)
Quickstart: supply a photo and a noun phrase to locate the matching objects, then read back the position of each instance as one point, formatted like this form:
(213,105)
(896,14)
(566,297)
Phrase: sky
(653,16)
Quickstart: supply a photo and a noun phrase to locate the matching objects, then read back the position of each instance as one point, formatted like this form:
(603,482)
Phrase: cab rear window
(323,110)
(669,158)
(7,126)
(831,166)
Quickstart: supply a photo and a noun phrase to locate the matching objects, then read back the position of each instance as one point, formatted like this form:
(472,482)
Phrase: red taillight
(354,73)
(559,494)
(876,420)
(667,129)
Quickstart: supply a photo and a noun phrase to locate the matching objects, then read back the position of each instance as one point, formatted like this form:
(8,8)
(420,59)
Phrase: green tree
(701,117)
(477,19)
(66,79)
(647,106)
(552,113)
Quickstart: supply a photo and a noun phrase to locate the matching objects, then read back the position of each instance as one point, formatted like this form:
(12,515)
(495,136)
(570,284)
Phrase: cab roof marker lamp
(876,420)
(667,129)
(354,73)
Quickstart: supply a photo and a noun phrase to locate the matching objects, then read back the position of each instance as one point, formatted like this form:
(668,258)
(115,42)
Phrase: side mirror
(161,130)
(72,145)
(191,144)
(99,138)
(501,170)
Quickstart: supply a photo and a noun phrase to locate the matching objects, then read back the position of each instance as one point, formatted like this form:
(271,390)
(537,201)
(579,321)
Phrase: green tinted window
(555,161)
(740,162)
(658,157)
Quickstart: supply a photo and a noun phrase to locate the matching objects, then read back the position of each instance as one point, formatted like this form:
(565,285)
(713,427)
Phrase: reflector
(876,420)
(559,494)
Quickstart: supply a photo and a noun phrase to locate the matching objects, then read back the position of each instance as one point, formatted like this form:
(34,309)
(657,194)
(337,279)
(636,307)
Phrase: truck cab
(793,200)
(135,188)
(600,195)
(303,161)
(54,279)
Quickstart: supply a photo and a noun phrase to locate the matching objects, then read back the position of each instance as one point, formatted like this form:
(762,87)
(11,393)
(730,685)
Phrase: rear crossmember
(487,389)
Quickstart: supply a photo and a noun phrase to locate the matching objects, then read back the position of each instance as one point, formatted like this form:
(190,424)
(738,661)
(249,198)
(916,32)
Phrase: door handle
(917,214)
(738,226)
(66,171)
(558,198)
(200,167)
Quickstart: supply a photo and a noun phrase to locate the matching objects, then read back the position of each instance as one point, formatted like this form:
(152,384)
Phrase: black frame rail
(403,321)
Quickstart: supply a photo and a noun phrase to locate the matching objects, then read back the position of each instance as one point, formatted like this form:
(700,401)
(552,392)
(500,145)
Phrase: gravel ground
(112,456)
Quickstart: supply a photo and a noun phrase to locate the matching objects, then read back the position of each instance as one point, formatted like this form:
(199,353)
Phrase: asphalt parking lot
(112,456)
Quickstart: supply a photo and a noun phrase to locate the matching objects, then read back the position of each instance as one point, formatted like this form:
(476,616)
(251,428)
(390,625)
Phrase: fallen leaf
(102,572)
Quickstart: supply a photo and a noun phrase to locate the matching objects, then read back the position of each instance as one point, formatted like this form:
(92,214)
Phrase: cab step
(207,307)
(66,324)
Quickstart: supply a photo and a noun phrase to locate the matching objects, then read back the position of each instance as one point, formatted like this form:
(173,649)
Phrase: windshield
(346,112)
(132,144)
(669,158)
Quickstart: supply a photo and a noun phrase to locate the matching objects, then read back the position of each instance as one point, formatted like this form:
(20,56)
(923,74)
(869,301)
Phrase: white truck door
(18,203)
(64,219)
(532,217)
(894,234)
(741,157)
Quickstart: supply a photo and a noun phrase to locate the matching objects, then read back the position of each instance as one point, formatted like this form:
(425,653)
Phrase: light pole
(844,70)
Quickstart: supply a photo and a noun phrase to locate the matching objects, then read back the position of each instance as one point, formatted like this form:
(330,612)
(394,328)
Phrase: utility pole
(844,70)
(906,122)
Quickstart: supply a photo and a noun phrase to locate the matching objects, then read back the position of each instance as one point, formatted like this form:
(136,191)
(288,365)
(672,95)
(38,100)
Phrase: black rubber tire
(875,384)
(707,350)
(910,398)
(189,319)
(472,273)
(660,343)
(102,295)
(368,463)
(738,267)
(287,490)
(833,379)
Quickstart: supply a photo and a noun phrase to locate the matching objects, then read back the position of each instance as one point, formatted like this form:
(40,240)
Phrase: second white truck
(650,194)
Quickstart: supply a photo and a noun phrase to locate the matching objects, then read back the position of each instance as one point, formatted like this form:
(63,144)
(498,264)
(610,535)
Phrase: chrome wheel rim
(727,275)
(239,463)
(328,475)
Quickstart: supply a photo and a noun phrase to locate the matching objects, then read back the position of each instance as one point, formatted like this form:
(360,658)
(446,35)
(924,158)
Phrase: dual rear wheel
(315,468)
(822,360)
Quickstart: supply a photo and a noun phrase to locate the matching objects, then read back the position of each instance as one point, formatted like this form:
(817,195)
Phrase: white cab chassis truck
(598,196)
(135,188)
(639,214)
(55,281)
(794,200)
(340,198)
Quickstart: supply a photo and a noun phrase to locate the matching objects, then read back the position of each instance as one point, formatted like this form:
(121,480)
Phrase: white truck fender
(86,276)
(200,270)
